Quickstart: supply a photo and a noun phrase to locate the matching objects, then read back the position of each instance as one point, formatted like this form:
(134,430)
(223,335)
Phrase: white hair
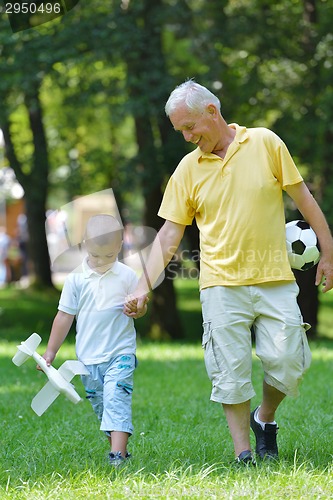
(193,95)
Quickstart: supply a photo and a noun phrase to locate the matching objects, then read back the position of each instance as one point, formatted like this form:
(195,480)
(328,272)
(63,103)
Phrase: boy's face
(102,257)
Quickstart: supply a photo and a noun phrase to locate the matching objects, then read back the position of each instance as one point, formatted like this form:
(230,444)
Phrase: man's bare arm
(313,214)
(164,247)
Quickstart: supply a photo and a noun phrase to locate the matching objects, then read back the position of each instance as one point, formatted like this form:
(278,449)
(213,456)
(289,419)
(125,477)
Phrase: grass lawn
(181,446)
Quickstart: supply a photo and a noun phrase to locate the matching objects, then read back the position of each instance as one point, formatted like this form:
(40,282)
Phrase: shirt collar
(241,133)
(87,271)
(241,136)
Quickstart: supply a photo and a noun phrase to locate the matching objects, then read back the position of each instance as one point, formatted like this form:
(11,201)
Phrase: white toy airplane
(59,380)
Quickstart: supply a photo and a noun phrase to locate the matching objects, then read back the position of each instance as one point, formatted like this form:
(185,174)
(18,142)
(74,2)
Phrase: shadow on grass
(23,312)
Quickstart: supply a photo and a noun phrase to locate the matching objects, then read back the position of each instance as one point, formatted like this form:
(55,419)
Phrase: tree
(28,63)
(28,156)
(276,75)
(34,173)
(35,185)
(140,26)
(95,82)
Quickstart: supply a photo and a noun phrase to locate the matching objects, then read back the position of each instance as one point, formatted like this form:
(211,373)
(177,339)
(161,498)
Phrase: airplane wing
(70,368)
(44,398)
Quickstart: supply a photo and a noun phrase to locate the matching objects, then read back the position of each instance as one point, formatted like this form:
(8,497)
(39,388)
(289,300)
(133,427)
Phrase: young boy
(94,294)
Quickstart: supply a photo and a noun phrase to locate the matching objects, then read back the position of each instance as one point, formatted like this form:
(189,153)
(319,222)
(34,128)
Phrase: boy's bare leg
(238,418)
(118,442)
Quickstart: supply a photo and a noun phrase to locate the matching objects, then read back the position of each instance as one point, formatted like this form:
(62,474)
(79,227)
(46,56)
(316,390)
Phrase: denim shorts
(109,389)
(272,311)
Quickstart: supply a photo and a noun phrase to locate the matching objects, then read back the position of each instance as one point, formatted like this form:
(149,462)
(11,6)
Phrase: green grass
(23,311)
(181,445)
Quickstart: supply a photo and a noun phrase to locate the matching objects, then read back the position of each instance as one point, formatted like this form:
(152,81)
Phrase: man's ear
(211,109)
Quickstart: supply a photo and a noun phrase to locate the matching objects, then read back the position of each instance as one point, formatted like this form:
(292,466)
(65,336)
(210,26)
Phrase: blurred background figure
(4,266)
(14,261)
(23,239)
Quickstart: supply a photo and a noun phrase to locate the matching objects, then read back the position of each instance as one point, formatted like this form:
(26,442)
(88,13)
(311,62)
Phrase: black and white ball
(302,245)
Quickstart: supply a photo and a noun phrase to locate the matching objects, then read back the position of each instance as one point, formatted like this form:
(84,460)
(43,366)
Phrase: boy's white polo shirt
(96,300)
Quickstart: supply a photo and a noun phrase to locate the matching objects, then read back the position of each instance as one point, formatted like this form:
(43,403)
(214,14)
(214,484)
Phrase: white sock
(257,419)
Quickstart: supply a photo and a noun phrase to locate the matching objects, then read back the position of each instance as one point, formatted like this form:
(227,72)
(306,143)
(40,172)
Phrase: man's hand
(136,307)
(324,274)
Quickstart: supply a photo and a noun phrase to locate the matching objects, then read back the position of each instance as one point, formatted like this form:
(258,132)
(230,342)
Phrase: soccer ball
(302,245)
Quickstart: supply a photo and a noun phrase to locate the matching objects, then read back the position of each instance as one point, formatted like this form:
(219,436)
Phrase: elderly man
(232,184)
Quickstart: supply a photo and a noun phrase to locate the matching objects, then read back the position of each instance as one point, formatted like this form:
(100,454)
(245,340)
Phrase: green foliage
(103,72)
(111,62)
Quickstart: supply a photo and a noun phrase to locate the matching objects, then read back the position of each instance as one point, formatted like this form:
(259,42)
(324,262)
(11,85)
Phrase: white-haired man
(232,184)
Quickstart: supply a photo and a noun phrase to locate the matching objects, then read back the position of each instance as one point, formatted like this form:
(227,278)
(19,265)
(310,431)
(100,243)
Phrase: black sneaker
(245,458)
(266,445)
(116,459)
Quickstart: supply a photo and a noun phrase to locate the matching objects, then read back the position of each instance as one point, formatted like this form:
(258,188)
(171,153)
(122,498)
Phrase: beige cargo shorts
(280,338)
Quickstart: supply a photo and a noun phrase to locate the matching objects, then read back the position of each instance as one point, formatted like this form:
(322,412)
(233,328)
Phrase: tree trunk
(165,320)
(35,185)
(308,299)
(145,70)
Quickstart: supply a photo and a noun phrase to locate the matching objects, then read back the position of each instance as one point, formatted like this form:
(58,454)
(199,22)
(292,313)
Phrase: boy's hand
(49,357)
(136,307)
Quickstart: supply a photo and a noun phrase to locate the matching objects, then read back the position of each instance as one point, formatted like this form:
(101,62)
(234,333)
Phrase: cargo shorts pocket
(206,336)
(307,356)
(208,346)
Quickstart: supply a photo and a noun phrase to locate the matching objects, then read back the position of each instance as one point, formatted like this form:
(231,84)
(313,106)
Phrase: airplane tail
(26,349)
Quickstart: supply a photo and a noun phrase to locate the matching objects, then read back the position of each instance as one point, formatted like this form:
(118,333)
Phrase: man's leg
(238,418)
(271,400)
(263,423)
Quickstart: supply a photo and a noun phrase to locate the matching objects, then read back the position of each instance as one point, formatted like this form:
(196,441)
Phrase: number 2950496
(32,8)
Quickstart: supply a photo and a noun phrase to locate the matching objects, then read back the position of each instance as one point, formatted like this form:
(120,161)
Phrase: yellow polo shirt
(238,206)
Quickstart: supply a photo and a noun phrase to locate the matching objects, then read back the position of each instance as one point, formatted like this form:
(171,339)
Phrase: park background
(82,111)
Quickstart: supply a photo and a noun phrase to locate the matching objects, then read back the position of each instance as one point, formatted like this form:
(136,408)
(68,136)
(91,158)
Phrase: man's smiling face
(200,128)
